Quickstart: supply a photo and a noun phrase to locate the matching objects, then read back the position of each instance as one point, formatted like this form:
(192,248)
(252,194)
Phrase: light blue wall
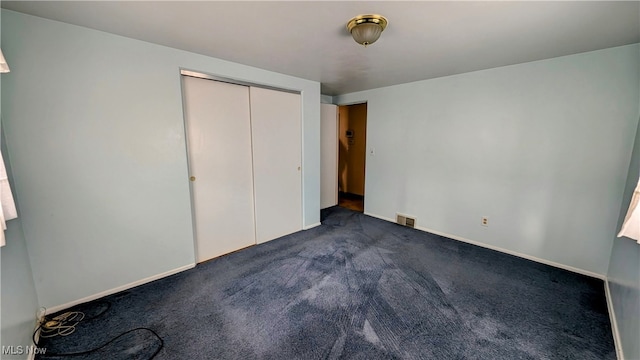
(94,128)
(326,99)
(624,271)
(19,301)
(542,148)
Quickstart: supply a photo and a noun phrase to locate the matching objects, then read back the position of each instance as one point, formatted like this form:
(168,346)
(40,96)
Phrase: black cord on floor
(48,354)
(86,352)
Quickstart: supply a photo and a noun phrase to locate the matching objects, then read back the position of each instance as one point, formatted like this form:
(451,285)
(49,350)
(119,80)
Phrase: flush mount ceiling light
(366,29)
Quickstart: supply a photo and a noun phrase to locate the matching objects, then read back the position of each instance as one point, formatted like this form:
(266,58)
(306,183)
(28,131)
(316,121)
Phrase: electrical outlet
(484,221)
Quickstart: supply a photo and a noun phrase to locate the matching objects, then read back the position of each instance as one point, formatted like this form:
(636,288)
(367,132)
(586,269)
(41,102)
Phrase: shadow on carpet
(354,288)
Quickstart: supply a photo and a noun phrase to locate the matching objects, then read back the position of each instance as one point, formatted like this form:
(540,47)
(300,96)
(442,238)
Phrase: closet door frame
(201,75)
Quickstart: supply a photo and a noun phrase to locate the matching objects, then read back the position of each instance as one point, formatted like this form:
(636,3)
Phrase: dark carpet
(354,288)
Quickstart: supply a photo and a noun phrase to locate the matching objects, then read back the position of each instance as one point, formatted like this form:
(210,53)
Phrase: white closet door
(219,138)
(277,148)
(328,155)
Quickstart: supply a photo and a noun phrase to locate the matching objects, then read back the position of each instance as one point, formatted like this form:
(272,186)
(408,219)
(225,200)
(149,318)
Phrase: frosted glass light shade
(366,34)
(4,67)
(366,29)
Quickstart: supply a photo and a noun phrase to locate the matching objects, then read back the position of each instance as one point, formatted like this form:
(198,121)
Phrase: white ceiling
(308,39)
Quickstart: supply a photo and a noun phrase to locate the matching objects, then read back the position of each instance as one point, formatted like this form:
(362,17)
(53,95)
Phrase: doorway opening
(352,150)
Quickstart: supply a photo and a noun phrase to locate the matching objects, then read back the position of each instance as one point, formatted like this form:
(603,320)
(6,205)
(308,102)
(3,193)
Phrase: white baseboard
(617,341)
(118,289)
(311,226)
(502,250)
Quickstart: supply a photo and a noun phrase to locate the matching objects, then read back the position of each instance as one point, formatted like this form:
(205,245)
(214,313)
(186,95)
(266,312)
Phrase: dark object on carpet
(357,288)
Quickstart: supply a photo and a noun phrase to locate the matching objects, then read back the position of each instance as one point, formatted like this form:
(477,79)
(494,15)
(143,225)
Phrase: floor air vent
(405,220)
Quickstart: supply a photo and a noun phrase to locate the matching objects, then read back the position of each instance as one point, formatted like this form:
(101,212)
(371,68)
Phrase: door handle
(192,178)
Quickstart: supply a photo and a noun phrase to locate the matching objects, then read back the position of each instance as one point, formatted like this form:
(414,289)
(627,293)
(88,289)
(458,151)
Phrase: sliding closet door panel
(219,137)
(277,148)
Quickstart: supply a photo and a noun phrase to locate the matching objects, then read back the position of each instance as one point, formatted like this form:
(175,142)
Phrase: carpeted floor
(354,288)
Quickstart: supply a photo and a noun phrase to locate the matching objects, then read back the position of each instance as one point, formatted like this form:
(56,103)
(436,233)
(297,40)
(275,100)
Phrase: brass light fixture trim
(372,34)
